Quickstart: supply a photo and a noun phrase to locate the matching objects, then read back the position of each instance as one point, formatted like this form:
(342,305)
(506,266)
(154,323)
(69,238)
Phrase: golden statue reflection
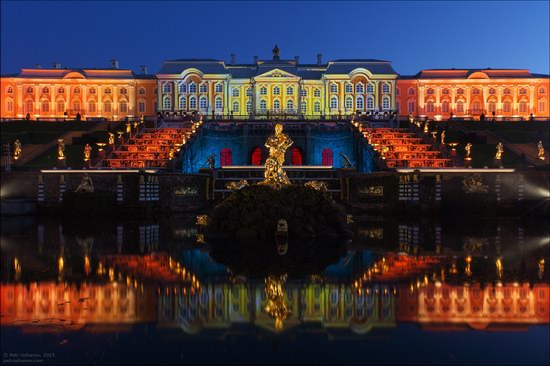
(277,144)
(276,304)
(540,149)
(17,149)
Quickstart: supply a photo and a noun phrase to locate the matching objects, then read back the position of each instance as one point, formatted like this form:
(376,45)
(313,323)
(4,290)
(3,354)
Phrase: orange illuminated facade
(469,93)
(57,93)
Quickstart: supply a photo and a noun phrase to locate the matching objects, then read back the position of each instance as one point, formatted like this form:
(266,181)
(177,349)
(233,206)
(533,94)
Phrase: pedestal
(468,163)
(88,164)
(101,154)
(497,163)
(61,163)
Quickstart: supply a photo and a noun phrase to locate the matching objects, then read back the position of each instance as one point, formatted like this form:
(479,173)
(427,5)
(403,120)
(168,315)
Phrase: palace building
(274,87)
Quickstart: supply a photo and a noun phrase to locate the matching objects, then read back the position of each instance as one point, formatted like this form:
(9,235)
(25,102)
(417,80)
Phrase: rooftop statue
(277,144)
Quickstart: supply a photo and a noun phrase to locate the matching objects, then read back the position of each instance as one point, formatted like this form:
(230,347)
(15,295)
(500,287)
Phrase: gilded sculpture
(277,144)
(317,185)
(426,127)
(468,149)
(276,304)
(60,149)
(111,139)
(235,186)
(474,184)
(500,150)
(87,152)
(17,149)
(540,149)
(443,138)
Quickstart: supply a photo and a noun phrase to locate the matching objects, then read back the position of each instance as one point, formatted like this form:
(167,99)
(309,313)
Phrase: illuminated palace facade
(273,87)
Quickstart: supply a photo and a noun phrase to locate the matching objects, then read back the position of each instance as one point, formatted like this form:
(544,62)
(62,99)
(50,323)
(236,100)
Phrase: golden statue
(315,184)
(442,137)
(369,137)
(426,127)
(235,186)
(474,184)
(202,220)
(383,151)
(468,149)
(128,127)
(17,149)
(411,118)
(276,305)
(500,150)
(540,148)
(111,139)
(60,149)
(87,152)
(277,144)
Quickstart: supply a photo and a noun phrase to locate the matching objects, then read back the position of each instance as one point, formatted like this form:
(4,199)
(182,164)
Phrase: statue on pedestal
(500,150)
(60,149)
(277,144)
(87,152)
(468,149)
(111,139)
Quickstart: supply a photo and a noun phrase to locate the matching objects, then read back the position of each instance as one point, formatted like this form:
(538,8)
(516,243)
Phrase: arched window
(386,88)
(411,91)
(506,106)
(192,102)
(29,106)
(296,156)
(76,90)
(226,157)
(91,106)
(317,107)
(276,90)
(256,156)
(45,106)
(386,103)
(411,106)
(9,90)
(460,91)
(542,91)
(523,106)
(290,91)
(304,92)
(192,88)
(304,107)
(107,106)
(182,103)
(333,88)
(166,104)
(123,106)
(460,106)
(349,102)
(370,102)
(349,88)
(492,106)
(370,88)
(327,157)
(317,93)
(60,106)
(235,92)
(249,92)
(235,107)
(45,90)
(542,105)
(359,88)
(166,87)
(29,90)
(9,105)
(142,106)
(507,91)
(276,104)
(203,103)
(263,90)
(445,106)
(76,106)
(107,91)
(182,88)
(360,102)
(91,91)
(289,104)
(248,106)
(204,88)
(475,106)
(263,104)
(61,90)
(522,91)
(334,102)
(218,104)
(430,106)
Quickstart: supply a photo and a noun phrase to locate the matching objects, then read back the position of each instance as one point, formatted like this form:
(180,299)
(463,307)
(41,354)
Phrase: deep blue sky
(413,35)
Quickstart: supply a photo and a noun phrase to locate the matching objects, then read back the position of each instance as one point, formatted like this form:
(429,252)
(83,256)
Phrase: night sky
(412,35)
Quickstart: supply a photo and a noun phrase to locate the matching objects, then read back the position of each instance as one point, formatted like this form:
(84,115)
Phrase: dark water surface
(153,292)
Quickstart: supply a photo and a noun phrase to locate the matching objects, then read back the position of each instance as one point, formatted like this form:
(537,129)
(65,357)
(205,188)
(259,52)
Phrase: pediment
(276,73)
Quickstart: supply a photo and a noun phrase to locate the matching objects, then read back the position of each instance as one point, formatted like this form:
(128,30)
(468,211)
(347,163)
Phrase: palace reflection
(483,282)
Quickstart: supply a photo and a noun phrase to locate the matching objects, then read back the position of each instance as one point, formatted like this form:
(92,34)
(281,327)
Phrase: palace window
(317,107)
(290,91)
(475,106)
(92,106)
(359,102)
(349,102)
(276,90)
(304,107)
(141,106)
(166,103)
(204,88)
(9,90)
(359,88)
(91,91)
(398,106)
(235,92)
(492,91)
(166,87)
(430,106)
(123,106)
(289,104)
(475,91)
(506,106)
(123,91)
(507,91)
(61,90)
(445,92)
(45,106)
(523,91)
(192,87)
(263,104)
(29,106)
(217,103)
(386,88)
(349,88)
(386,103)
(182,103)
(430,91)
(460,91)
(76,90)
(107,91)
(218,88)
(333,88)
(235,107)
(249,92)
(182,88)
(9,105)
(411,91)
(397,91)
(276,104)
(370,102)
(303,92)
(248,106)
(141,91)
(263,90)
(411,106)
(202,103)
(76,106)
(370,88)
(523,106)
(29,90)
(334,103)
(542,105)
(106,106)
(45,90)
(192,102)
(542,91)
(460,106)
(445,106)
(492,106)
(317,93)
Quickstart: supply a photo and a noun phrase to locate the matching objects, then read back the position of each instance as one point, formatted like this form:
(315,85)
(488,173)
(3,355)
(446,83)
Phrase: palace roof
(81,73)
(487,73)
